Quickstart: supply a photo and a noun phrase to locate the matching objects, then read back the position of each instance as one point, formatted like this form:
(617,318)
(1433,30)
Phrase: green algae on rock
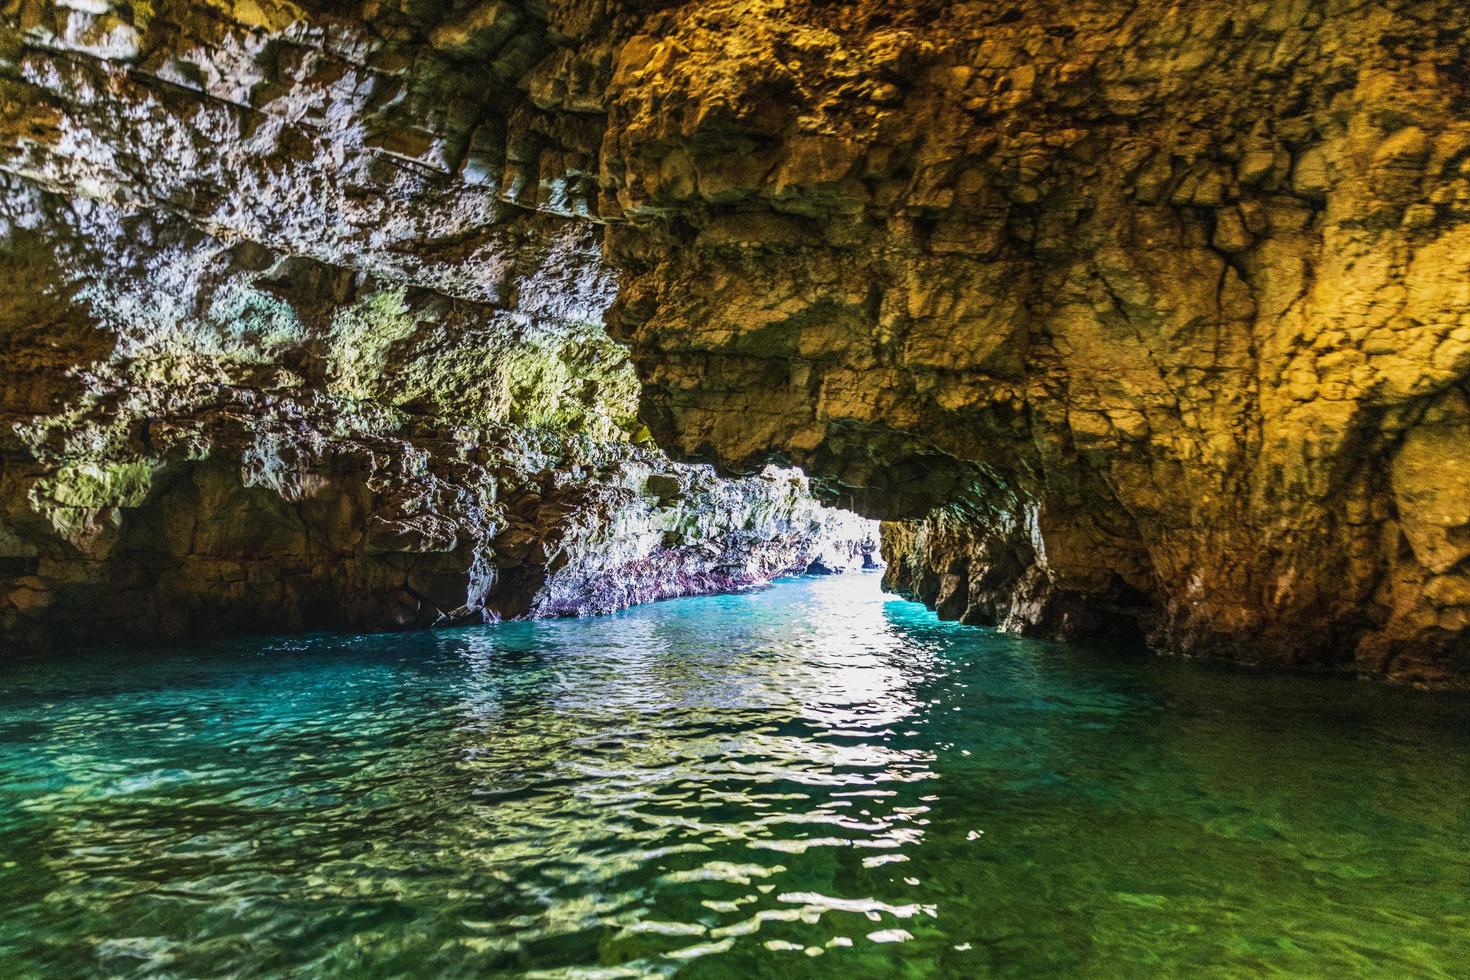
(254,440)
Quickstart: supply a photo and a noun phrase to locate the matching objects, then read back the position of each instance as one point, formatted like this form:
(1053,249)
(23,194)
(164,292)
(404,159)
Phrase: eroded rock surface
(267,370)
(1150,317)
(1151,313)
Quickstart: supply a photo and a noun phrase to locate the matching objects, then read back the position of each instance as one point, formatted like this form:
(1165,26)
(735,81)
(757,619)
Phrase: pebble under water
(810,780)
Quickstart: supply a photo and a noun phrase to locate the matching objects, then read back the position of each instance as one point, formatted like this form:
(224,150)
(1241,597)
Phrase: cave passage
(409,313)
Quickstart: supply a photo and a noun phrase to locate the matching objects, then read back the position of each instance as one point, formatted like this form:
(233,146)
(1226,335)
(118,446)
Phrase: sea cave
(714,488)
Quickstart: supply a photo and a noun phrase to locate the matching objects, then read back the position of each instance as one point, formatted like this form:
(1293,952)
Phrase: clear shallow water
(812,780)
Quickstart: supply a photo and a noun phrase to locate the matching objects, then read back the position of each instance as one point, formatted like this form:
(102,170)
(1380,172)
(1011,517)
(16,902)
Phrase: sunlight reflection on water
(814,779)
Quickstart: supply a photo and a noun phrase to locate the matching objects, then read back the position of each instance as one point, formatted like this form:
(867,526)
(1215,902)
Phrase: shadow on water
(810,780)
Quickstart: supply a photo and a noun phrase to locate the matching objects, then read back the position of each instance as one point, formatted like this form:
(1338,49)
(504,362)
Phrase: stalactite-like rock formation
(1150,317)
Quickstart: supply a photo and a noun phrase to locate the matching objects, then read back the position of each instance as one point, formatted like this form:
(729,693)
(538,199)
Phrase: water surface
(810,780)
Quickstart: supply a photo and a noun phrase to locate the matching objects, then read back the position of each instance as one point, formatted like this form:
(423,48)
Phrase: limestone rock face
(1151,314)
(270,365)
(1144,318)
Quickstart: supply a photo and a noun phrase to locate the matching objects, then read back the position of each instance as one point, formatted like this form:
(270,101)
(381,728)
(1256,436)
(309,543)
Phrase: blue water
(810,780)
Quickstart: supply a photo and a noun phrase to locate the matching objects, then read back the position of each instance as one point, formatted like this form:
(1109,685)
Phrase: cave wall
(267,369)
(1144,316)
(1156,309)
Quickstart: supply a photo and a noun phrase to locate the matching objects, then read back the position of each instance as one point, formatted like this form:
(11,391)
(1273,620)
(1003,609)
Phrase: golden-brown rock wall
(1156,310)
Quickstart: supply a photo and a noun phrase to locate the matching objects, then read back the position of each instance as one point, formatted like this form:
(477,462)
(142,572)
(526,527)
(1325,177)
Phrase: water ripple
(812,780)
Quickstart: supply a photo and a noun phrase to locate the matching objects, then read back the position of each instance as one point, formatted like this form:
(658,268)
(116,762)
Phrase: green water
(812,780)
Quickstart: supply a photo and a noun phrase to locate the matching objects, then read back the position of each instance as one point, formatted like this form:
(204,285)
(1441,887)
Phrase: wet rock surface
(393,463)
(1145,319)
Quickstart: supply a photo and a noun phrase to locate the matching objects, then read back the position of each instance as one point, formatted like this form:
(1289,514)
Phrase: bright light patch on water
(809,780)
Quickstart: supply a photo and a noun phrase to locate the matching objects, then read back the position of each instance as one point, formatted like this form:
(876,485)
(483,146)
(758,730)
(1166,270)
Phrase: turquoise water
(811,780)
